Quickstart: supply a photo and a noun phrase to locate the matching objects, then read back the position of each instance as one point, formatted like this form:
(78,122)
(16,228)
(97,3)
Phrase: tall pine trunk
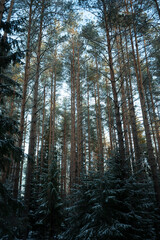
(97,128)
(151,122)
(151,157)
(51,118)
(131,106)
(79,122)
(110,120)
(153,106)
(54,103)
(64,157)
(88,123)
(53,113)
(22,162)
(115,95)
(2,4)
(73,139)
(99,120)
(43,125)
(123,97)
(33,133)
(9,17)
(24,96)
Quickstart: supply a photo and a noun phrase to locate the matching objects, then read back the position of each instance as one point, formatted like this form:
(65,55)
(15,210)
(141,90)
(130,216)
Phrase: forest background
(79,119)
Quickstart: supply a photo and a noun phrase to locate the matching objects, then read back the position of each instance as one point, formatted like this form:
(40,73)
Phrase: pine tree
(33,132)
(24,96)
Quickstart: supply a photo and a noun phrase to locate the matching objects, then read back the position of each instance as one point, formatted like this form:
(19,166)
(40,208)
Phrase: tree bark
(153,106)
(43,121)
(2,4)
(123,97)
(32,140)
(99,117)
(54,102)
(89,134)
(64,157)
(157,6)
(38,141)
(9,17)
(79,122)
(110,120)
(151,157)
(97,128)
(151,122)
(113,82)
(73,139)
(132,107)
(21,167)
(53,113)
(50,119)
(23,104)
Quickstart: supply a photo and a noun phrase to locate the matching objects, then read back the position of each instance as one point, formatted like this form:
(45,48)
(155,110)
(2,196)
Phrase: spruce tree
(112,207)
(10,216)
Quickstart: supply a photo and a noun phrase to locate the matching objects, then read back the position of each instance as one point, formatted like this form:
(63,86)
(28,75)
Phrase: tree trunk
(151,122)
(97,128)
(64,157)
(153,106)
(85,154)
(21,167)
(2,3)
(113,82)
(131,147)
(38,141)
(79,123)
(54,103)
(50,119)
(124,104)
(43,121)
(89,134)
(151,157)
(157,6)
(8,18)
(32,140)
(73,139)
(132,107)
(110,122)
(23,104)
(53,113)
(99,117)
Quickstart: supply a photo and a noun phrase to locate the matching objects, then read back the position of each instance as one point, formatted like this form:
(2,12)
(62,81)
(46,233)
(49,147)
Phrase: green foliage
(9,53)
(50,198)
(9,47)
(45,215)
(12,219)
(111,207)
(8,150)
